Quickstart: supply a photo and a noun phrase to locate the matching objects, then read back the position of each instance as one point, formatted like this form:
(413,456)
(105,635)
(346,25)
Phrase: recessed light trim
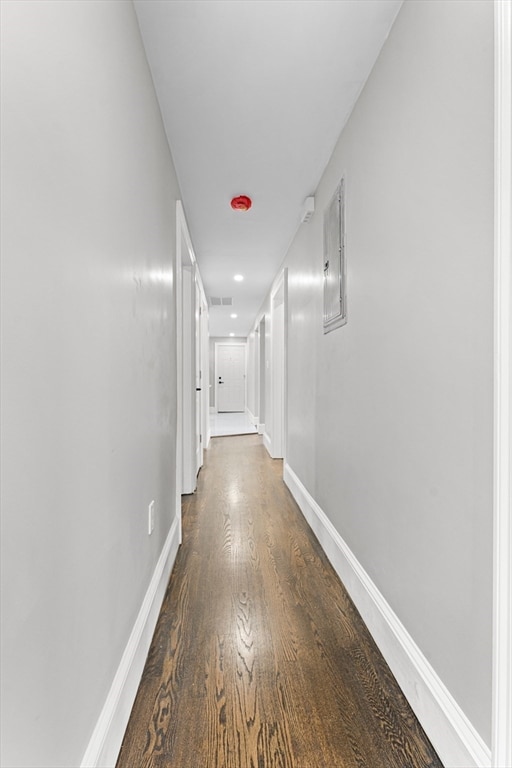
(231,334)
(238,278)
(233,315)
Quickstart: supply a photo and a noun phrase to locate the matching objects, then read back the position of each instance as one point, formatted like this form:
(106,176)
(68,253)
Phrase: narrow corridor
(259,657)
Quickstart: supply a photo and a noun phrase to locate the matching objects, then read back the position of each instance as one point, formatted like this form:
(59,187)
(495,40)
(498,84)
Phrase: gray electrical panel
(335,309)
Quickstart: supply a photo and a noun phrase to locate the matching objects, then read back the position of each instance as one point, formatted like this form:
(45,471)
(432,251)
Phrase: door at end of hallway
(230,377)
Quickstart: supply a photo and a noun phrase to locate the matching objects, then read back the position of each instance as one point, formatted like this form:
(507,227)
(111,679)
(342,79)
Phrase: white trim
(180,226)
(252,418)
(186,446)
(278,381)
(261,429)
(107,737)
(205,374)
(455,739)
(502,651)
(267,442)
(188,408)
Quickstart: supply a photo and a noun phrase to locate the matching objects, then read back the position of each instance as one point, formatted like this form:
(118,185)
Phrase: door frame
(197,375)
(186,448)
(255,374)
(230,344)
(276,445)
(205,371)
(262,374)
(188,408)
(502,589)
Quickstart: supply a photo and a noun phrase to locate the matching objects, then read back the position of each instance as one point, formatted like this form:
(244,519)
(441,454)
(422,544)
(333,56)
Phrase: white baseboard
(454,738)
(261,429)
(105,742)
(267,443)
(252,418)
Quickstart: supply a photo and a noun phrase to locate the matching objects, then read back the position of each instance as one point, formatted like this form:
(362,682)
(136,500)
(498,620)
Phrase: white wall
(88,363)
(390,417)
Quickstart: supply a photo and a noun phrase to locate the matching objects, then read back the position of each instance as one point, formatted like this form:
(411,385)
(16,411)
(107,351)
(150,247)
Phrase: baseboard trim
(252,418)
(267,443)
(453,736)
(106,739)
(261,429)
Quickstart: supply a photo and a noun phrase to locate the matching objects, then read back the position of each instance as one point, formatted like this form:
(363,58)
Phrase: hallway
(125,258)
(259,658)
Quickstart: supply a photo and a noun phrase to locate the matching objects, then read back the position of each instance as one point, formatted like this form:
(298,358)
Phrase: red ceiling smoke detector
(241,203)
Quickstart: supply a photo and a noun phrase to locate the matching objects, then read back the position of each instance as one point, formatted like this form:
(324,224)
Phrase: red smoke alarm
(241,203)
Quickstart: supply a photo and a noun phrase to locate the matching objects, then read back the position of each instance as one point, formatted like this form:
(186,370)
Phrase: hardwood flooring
(259,658)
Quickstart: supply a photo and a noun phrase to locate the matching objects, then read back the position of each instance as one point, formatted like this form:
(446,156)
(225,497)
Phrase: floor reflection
(230,424)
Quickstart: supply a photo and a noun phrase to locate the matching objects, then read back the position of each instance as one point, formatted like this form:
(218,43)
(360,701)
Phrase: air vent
(226,301)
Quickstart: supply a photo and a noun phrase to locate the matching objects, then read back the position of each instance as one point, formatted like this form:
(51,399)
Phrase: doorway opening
(192,432)
(275,383)
(229,415)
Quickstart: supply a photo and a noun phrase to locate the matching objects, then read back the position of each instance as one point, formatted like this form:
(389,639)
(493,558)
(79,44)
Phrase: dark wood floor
(259,657)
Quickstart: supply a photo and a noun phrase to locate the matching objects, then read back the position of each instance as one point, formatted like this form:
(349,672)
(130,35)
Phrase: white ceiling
(254,95)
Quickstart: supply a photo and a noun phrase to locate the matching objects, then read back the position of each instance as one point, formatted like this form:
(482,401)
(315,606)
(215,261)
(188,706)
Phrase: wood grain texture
(259,658)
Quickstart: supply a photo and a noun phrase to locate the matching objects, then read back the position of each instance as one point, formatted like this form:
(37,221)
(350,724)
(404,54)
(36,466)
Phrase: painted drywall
(390,417)
(88,363)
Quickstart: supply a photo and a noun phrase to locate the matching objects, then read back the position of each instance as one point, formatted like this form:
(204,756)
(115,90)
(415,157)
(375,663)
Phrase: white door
(230,377)
(198,378)
(205,375)
(188,394)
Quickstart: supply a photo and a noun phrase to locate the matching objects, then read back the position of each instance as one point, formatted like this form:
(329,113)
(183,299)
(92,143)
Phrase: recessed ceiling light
(238,278)
(234,315)
(231,334)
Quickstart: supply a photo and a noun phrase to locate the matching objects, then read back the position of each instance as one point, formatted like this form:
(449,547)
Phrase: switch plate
(151,517)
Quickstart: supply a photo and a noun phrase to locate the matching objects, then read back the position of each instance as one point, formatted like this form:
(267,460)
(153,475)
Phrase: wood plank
(260,659)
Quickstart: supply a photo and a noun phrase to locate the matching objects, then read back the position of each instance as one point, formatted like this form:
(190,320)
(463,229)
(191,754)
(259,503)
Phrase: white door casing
(188,407)
(502,646)
(181,246)
(277,442)
(190,329)
(197,378)
(205,373)
(256,373)
(262,377)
